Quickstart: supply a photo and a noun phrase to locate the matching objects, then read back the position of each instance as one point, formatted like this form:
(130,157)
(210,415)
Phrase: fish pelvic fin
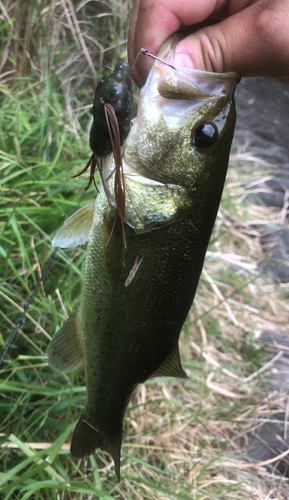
(76,229)
(172,366)
(86,438)
(64,351)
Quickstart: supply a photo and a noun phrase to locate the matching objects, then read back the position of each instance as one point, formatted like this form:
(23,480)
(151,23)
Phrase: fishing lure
(112,110)
(116,90)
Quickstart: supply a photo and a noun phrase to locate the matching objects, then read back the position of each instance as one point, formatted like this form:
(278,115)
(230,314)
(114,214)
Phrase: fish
(175,161)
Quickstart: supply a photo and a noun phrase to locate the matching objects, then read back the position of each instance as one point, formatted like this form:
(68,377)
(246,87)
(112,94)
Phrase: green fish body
(135,300)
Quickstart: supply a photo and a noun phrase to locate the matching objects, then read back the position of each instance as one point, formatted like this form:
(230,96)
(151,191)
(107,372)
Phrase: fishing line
(22,318)
(139,52)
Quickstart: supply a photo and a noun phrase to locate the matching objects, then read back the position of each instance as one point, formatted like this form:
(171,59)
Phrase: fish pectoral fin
(172,366)
(87,438)
(76,229)
(64,351)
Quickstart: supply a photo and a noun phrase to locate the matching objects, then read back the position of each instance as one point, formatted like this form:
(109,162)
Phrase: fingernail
(183,60)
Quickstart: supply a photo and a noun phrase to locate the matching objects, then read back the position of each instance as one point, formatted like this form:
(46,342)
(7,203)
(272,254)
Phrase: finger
(151,31)
(253,42)
(155,21)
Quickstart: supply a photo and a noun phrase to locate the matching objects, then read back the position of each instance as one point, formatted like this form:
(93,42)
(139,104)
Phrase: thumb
(252,42)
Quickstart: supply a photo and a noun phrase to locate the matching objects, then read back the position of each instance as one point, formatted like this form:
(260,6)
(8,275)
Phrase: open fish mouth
(166,87)
(170,100)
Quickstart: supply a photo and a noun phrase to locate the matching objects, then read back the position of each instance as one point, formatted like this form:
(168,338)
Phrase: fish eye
(205,135)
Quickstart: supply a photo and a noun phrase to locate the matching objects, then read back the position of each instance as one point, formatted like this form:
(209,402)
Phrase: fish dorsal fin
(172,366)
(75,230)
(64,351)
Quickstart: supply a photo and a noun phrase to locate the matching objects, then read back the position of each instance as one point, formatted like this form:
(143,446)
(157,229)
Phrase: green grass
(179,437)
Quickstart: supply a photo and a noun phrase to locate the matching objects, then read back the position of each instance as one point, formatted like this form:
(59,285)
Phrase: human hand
(250,37)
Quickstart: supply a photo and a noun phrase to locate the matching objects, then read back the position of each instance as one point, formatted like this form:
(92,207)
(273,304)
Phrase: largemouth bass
(135,301)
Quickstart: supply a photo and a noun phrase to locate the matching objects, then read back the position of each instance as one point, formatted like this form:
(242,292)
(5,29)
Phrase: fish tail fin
(112,444)
(86,439)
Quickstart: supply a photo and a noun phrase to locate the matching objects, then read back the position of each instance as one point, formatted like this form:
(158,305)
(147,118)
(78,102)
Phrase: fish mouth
(175,96)
(185,84)
(167,54)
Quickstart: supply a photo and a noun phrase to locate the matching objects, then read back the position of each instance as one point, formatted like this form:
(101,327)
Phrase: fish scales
(172,257)
(175,162)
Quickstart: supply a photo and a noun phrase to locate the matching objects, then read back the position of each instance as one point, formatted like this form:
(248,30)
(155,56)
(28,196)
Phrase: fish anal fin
(64,351)
(85,439)
(172,366)
(76,229)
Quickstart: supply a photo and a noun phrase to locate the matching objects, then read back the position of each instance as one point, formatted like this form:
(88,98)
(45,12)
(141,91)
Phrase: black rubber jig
(112,110)
(116,90)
